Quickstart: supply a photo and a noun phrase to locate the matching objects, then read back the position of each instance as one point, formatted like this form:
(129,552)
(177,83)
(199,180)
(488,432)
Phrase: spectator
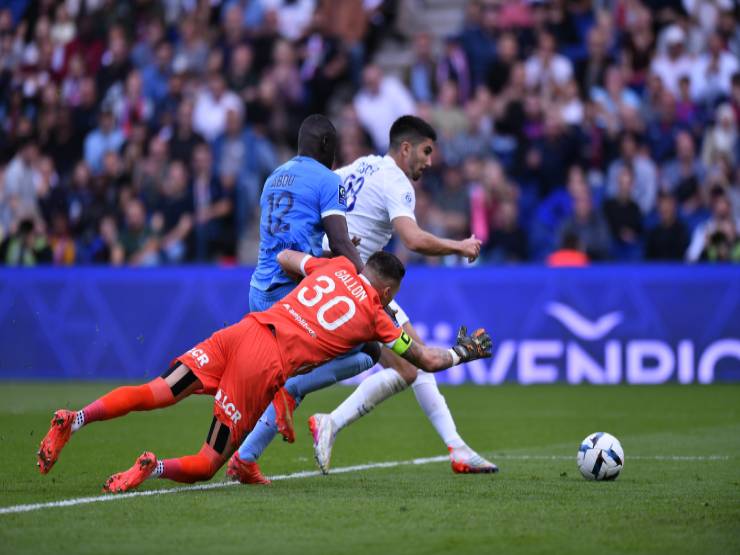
(722,139)
(140,245)
(61,242)
(643,169)
(325,65)
(241,76)
(588,225)
(570,253)
(662,130)
(475,140)
(685,171)
(716,235)
(115,64)
(478,37)
(191,50)
(674,63)
(453,204)
(624,218)
(569,104)
(422,73)
(105,138)
(211,107)
(155,74)
(379,103)
(22,179)
(614,97)
(712,72)
(105,247)
(27,246)
(447,117)
(453,66)
(499,70)
(183,138)
(546,68)
(508,241)
(591,70)
(669,239)
(293,16)
(213,210)
(173,220)
(132,106)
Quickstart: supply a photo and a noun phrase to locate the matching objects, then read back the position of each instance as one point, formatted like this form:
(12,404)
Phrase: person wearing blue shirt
(301,200)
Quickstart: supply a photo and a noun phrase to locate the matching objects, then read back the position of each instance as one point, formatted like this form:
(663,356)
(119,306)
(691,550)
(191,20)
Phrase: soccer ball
(600,457)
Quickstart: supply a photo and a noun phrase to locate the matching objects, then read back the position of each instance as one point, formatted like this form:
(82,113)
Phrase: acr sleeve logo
(408,198)
(342,198)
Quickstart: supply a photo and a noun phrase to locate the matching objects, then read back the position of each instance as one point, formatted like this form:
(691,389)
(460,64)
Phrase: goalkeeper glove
(472,347)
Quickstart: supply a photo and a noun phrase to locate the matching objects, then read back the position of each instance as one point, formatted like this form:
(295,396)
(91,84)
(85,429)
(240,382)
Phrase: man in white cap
(673,63)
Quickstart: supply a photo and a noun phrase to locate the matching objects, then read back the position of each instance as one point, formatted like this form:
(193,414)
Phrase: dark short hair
(317,134)
(387,266)
(412,129)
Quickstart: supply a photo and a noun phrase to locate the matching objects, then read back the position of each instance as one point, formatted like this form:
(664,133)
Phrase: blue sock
(300,386)
(260,436)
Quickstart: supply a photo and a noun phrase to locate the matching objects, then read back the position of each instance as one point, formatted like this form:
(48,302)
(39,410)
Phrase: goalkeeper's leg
(174,385)
(189,469)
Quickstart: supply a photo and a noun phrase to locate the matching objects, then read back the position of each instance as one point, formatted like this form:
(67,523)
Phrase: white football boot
(322,430)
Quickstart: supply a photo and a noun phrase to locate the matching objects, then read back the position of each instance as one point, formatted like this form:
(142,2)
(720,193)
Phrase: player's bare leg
(174,385)
(396,376)
(189,469)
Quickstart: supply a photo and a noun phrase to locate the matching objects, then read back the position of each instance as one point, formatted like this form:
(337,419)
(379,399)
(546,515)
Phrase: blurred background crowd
(140,132)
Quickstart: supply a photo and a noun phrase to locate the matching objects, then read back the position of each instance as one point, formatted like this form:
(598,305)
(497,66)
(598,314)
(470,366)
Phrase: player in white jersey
(381,201)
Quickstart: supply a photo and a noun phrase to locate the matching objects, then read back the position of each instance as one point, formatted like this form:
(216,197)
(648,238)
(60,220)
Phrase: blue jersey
(296,196)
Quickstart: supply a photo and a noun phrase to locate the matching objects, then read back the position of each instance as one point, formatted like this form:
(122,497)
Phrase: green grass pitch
(538,503)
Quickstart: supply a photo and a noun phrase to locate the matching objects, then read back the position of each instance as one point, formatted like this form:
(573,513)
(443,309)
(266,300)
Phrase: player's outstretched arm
(340,244)
(423,242)
(467,348)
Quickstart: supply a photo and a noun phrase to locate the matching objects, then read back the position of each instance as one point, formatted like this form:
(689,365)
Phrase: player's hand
(470,248)
(356,240)
(474,346)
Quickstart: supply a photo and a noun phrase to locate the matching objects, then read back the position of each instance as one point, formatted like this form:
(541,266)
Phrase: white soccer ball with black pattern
(600,457)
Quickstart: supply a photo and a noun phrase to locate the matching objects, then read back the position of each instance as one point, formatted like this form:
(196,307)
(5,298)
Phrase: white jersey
(377,192)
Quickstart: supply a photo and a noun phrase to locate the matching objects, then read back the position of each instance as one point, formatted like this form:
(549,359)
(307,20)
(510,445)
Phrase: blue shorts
(260,301)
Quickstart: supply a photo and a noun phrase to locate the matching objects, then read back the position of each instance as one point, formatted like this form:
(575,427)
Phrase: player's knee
(373,350)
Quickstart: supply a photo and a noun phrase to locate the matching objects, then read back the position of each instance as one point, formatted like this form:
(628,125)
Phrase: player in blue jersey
(302,200)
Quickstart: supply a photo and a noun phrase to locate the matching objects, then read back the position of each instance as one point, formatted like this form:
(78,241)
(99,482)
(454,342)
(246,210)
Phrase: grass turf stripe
(311,473)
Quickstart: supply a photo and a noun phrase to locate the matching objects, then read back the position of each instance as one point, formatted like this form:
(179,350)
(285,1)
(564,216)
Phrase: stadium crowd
(140,132)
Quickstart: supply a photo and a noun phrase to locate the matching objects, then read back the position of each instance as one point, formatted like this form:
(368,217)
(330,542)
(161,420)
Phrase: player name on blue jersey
(295,198)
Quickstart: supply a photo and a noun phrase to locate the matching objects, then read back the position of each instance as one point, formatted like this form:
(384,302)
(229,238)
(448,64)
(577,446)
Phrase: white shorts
(400,315)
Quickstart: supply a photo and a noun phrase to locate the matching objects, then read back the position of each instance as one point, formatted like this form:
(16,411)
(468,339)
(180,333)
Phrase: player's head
(411,145)
(317,138)
(385,272)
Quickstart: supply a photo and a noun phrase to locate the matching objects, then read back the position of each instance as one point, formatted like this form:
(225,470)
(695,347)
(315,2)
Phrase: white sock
(435,407)
(371,392)
(158,470)
(79,421)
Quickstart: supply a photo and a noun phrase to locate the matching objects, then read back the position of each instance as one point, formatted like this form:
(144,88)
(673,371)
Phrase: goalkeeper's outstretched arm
(435,359)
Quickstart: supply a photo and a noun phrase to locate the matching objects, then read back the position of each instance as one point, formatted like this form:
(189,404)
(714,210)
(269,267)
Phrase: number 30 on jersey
(318,294)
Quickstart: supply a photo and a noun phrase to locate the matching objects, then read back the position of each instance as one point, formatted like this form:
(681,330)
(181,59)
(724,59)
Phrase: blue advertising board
(602,325)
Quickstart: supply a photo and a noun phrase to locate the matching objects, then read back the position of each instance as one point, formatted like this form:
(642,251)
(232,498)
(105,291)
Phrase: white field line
(311,473)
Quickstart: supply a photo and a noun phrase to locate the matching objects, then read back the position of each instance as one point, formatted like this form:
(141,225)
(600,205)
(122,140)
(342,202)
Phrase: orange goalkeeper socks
(122,400)
(193,468)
